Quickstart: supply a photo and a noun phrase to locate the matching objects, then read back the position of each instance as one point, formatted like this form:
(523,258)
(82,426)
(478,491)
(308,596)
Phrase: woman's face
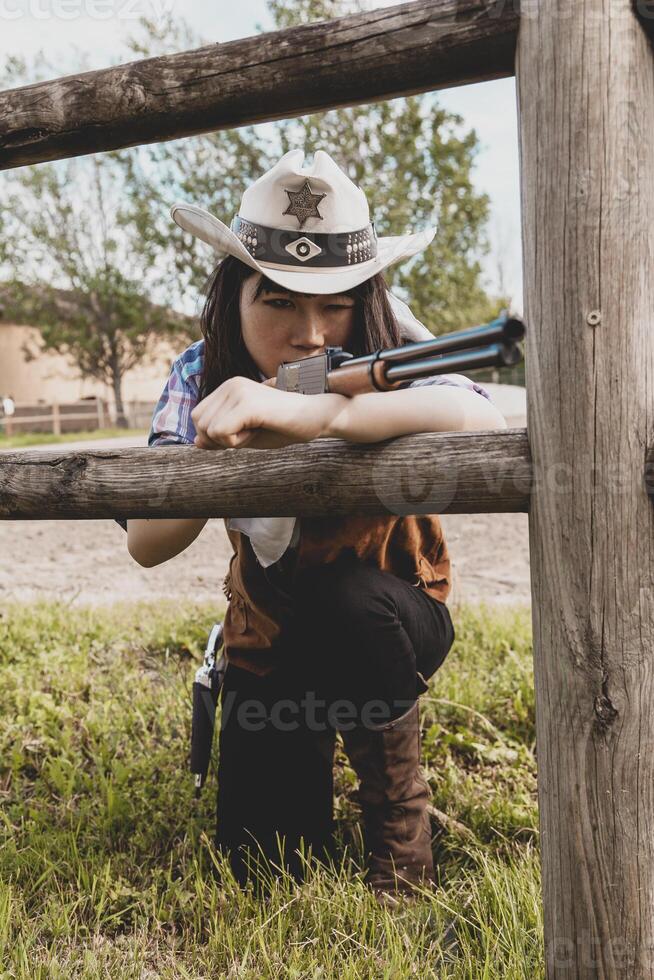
(278,326)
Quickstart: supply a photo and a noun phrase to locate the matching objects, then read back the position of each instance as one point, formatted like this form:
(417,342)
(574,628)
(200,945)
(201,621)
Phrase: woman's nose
(310,332)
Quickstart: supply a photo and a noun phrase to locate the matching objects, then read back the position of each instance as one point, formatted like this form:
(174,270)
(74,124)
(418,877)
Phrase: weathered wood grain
(585,77)
(428,473)
(413,47)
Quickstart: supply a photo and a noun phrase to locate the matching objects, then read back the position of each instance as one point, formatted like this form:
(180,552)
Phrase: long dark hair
(225,353)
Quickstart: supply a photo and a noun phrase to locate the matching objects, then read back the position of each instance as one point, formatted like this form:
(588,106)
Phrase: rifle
(493,344)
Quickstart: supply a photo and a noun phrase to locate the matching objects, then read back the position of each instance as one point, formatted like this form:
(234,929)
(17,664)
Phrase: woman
(326,629)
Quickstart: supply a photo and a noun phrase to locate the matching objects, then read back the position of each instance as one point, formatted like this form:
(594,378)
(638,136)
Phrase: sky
(99,28)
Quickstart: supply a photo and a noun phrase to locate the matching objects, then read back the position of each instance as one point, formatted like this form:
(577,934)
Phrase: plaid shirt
(172,422)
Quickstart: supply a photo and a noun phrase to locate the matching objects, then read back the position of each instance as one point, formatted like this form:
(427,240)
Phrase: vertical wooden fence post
(585,78)
(56,420)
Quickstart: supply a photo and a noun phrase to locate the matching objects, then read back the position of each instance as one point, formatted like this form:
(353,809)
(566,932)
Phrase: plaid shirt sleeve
(171,422)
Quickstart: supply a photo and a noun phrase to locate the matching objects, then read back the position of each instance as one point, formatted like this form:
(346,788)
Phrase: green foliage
(106,865)
(211,170)
(294,13)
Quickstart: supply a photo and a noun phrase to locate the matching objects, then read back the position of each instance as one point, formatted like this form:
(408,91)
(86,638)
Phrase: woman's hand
(242,412)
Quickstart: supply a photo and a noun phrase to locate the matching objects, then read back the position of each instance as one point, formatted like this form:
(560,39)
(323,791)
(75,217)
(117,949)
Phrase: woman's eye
(285,303)
(273,303)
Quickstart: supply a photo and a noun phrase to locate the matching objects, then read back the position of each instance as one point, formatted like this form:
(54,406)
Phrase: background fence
(85,415)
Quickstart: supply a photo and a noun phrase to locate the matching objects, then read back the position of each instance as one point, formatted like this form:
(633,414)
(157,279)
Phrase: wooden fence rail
(427,473)
(414,47)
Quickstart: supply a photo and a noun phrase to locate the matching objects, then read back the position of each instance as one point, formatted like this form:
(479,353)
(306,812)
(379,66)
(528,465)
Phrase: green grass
(44,438)
(106,863)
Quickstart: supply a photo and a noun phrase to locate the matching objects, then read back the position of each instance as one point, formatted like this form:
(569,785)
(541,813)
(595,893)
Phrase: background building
(53,378)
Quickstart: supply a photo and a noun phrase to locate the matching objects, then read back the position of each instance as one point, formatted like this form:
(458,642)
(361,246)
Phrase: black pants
(359,640)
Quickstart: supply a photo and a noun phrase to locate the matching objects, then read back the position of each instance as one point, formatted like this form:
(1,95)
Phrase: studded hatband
(282,246)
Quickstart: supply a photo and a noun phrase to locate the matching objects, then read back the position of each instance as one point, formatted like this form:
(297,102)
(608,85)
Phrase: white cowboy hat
(306,228)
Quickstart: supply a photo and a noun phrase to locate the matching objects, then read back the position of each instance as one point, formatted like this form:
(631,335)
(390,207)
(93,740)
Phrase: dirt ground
(87,562)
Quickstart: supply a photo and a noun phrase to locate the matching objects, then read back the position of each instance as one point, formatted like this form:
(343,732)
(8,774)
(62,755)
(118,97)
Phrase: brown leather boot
(393,796)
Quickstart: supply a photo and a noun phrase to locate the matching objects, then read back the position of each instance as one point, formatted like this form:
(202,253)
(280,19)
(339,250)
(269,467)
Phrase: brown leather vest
(413,548)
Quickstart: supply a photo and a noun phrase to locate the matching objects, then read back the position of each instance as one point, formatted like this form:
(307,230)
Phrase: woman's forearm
(373,416)
(151,541)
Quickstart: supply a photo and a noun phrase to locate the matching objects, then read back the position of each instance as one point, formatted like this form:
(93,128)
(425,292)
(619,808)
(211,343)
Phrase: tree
(66,224)
(212,170)
(406,154)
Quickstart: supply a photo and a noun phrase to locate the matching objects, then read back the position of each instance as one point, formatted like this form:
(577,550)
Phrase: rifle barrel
(493,355)
(504,330)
